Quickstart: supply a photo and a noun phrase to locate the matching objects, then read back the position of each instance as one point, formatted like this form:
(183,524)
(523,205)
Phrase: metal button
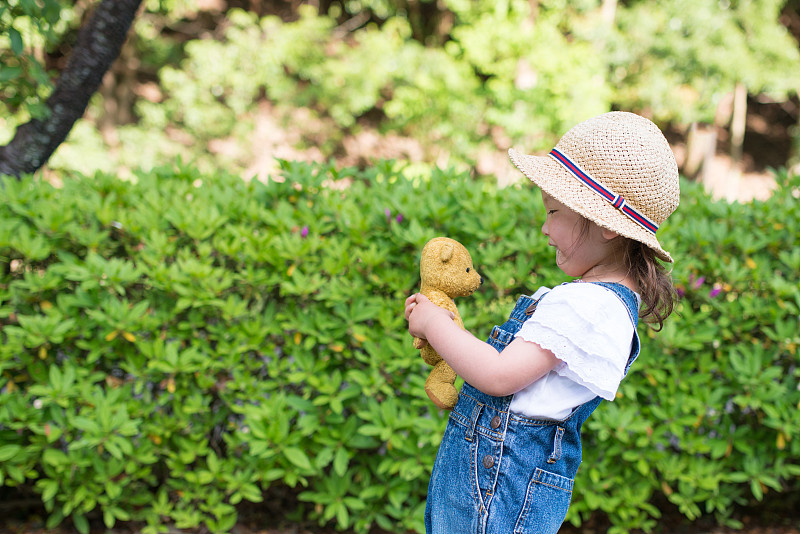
(530,309)
(488,461)
(495,334)
(496,420)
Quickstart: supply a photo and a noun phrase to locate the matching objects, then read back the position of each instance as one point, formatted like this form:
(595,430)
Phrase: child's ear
(608,235)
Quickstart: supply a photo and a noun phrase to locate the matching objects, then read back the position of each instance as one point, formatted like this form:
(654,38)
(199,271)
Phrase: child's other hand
(420,312)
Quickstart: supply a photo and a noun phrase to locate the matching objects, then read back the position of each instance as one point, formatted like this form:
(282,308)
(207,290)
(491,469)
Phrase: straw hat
(616,170)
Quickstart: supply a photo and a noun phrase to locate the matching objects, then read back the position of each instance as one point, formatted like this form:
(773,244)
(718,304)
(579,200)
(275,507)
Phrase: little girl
(512,446)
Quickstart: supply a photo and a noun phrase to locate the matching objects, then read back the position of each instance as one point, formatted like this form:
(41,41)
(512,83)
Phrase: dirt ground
(273,139)
(265,519)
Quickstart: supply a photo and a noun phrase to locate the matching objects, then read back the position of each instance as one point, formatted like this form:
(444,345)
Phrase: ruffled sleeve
(589,329)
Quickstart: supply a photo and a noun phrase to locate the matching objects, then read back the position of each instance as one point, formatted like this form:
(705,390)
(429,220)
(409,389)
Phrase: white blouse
(588,328)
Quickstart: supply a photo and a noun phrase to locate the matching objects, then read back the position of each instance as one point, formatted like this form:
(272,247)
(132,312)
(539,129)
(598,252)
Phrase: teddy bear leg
(430,356)
(439,386)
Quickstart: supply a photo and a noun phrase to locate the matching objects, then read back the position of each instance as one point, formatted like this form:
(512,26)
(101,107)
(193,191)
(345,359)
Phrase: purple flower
(680,291)
(699,282)
(389,217)
(304,232)
(716,290)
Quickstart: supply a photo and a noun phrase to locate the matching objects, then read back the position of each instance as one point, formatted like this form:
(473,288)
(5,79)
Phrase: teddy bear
(446,272)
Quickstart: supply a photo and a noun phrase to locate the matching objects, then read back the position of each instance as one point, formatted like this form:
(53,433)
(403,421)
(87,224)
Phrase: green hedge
(177,344)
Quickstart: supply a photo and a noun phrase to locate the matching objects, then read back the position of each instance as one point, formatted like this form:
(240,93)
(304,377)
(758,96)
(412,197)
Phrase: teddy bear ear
(447,252)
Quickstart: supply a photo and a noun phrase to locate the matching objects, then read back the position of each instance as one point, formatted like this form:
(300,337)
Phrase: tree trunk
(738,125)
(608,12)
(98,45)
(701,145)
(738,122)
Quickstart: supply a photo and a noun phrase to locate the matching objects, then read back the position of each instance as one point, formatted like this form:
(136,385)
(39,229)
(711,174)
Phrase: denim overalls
(498,472)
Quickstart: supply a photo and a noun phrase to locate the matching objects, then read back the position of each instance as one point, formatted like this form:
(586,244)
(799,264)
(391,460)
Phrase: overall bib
(497,472)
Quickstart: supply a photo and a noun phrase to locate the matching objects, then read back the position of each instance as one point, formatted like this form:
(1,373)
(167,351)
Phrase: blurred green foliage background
(461,79)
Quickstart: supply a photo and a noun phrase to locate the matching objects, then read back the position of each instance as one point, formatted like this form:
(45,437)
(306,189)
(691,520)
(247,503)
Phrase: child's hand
(420,313)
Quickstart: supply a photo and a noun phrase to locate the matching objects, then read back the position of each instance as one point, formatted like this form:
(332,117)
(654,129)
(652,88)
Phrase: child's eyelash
(550,212)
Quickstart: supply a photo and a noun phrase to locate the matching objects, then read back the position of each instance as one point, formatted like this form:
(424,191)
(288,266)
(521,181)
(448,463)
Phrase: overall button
(530,309)
(488,461)
(496,421)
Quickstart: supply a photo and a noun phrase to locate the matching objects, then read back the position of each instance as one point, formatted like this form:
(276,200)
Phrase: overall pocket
(546,503)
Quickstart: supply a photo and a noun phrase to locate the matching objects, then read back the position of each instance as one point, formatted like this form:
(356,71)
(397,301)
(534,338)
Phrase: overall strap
(502,335)
(631,301)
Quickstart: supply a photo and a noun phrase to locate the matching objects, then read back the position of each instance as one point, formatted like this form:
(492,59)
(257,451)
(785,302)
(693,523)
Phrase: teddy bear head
(447,266)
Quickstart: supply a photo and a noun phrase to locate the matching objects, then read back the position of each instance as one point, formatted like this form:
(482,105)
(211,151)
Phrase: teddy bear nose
(481,280)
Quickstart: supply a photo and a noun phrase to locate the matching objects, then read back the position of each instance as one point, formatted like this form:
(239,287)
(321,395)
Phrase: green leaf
(16,40)
(55,518)
(342,515)
(758,492)
(51,11)
(55,457)
(113,490)
(55,377)
(81,523)
(10,73)
(341,461)
(49,489)
(108,518)
(251,493)
(298,458)
(86,424)
(7,452)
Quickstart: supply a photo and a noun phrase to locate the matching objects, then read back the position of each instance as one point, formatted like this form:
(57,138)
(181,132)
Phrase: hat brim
(556,181)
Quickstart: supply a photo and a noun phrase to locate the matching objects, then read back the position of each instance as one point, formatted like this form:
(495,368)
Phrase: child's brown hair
(654,282)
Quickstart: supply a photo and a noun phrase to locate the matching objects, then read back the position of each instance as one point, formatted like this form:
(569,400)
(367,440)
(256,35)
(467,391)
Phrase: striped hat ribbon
(615,200)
